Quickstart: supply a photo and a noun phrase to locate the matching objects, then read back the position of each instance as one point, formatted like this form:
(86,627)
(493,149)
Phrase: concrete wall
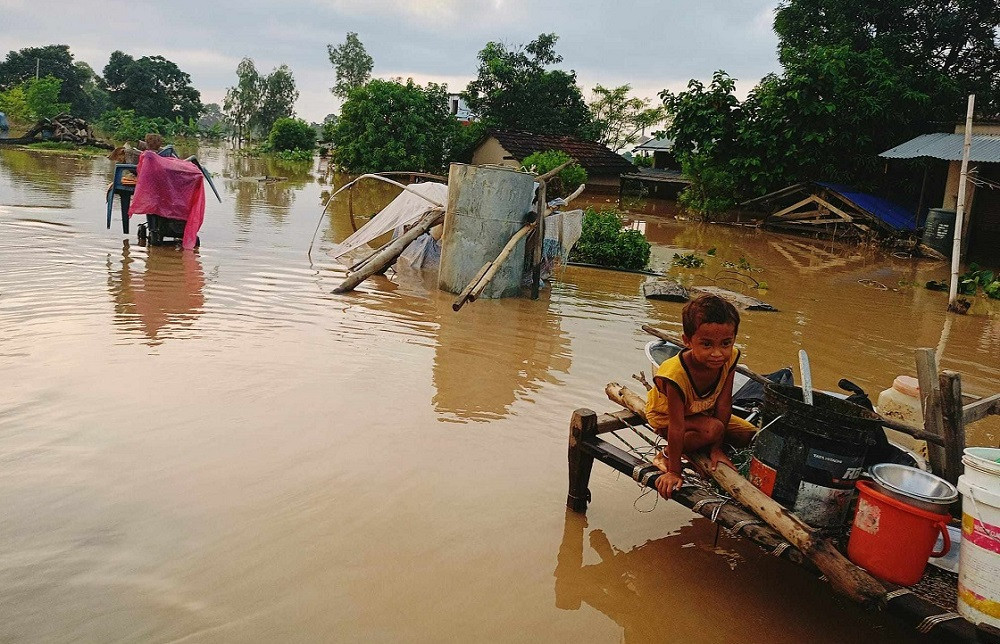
(490,151)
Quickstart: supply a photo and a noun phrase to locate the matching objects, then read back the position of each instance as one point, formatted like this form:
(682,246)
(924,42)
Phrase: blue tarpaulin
(893,214)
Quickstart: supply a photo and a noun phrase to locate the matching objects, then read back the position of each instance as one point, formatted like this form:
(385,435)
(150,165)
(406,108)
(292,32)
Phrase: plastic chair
(125,191)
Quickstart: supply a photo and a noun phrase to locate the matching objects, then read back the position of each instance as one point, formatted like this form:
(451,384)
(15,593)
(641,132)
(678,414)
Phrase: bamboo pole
(497,263)
(844,576)
(478,284)
(391,252)
(956,247)
(463,297)
(910,430)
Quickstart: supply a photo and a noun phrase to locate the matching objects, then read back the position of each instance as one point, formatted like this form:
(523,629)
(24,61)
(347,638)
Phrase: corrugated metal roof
(891,213)
(656,144)
(985,148)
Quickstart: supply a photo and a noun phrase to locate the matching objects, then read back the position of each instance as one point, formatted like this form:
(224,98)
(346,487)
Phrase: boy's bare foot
(662,460)
(718,456)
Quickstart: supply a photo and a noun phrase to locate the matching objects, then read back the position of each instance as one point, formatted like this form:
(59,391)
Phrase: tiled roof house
(604,167)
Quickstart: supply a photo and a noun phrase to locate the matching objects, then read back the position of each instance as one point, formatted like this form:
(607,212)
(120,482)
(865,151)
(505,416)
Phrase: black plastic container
(808,457)
(939,230)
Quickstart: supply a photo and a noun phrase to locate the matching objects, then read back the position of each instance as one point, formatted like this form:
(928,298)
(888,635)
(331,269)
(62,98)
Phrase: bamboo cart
(929,606)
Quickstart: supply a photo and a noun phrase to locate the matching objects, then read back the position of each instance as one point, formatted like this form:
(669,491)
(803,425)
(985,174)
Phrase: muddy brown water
(211,446)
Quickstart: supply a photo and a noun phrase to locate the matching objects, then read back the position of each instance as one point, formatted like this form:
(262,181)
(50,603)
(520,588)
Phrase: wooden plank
(729,515)
(954,428)
(980,409)
(794,206)
(618,420)
(582,426)
(930,393)
(835,209)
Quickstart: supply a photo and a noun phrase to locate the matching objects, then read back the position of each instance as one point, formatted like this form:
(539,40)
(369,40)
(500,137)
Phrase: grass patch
(70,149)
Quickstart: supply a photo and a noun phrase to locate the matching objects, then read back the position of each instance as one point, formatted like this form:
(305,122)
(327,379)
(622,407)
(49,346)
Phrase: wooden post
(583,425)
(956,248)
(930,395)
(953,425)
(536,256)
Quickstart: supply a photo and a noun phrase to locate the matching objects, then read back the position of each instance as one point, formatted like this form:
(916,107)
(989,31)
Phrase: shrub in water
(291,134)
(569,178)
(605,242)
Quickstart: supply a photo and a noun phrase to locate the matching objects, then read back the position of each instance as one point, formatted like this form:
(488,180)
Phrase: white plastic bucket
(979,559)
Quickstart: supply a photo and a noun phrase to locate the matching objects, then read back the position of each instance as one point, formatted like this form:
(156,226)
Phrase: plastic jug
(902,402)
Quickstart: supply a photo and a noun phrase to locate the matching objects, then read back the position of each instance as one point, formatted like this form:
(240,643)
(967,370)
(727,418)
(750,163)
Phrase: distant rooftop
(595,158)
(656,144)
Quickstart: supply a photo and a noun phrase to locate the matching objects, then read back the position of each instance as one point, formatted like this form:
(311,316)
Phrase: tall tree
(352,64)
(950,48)
(278,98)
(514,90)
(619,119)
(50,60)
(389,125)
(151,86)
(857,78)
(242,100)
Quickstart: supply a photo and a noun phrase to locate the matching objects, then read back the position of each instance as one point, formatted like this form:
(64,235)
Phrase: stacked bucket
(979,561)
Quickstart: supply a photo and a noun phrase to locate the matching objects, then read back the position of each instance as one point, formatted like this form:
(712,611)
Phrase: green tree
(151,86)
(352,64)
(857,78)
(14,104)
(42,97)
(50,60)
(948,48)
(242,100)
(513,90)
(389,125)
(278,96)
(95,99)
(291,134)
(619,119)
(706,124)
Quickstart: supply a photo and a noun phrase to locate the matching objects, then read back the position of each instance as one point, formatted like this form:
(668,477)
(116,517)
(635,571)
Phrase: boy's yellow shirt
(674,370)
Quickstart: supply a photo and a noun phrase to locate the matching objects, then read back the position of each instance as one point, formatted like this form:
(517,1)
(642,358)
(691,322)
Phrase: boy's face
(712,344)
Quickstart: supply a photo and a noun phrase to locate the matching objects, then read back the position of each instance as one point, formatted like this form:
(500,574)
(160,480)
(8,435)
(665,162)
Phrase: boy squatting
(691,399)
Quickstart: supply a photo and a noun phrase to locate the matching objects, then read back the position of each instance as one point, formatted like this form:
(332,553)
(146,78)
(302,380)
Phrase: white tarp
(404,209)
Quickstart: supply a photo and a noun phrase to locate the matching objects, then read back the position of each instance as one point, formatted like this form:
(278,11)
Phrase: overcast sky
(651,45)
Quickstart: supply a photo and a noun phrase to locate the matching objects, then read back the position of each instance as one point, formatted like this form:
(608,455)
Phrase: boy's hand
(718,456)
(667,482)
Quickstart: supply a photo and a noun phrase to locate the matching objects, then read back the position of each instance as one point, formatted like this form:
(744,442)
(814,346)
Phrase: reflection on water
(479,378)
(665,589)
(250,511)
(159,291)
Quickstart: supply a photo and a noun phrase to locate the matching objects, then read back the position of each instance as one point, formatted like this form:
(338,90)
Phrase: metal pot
(915,487)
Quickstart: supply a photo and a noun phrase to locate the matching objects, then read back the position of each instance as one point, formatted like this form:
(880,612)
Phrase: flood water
(210,446)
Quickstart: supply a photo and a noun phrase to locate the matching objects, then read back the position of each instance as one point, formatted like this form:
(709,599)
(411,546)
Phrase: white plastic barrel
(902,402)
(979,559)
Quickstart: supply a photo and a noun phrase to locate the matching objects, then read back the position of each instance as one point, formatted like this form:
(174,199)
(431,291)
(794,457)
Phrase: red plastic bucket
(892,540)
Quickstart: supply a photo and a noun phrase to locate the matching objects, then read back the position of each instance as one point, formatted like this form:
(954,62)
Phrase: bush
(569,178)
(391,125)
(605,242)
(291,134)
